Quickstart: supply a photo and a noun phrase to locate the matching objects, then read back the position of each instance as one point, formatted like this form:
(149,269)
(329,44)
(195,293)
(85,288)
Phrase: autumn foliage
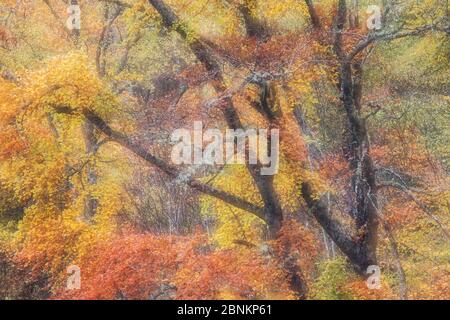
(160,267)
(87,180)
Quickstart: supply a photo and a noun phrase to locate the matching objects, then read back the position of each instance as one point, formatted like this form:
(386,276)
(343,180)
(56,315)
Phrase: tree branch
(339,25)
(101,42)
(342,237)
(168,169)
(8,75)
(315,21)
(253,26)
(418,202)
(272,206)
(57,17)
(387,36)
(395,252)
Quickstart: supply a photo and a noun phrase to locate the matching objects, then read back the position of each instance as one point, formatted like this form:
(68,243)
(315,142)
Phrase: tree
(82,110)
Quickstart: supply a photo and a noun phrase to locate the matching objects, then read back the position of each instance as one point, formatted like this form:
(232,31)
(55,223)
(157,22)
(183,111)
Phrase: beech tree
(83,109)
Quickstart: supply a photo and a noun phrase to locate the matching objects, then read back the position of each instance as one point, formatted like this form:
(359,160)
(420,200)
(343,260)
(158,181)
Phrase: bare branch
(405,189)
(169,169)
(387,36)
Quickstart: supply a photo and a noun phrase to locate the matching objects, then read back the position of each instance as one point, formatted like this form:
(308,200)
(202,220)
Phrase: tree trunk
(90,142)
(364,193)
(272,207)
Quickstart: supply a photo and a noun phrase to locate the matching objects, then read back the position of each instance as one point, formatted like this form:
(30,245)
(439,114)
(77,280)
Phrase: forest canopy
(350,100)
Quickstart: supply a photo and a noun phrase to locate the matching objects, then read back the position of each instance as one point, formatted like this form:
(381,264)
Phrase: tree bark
(91,145)
(360,246)
(315,21)
(171,171)
(264,184)
(254,27)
